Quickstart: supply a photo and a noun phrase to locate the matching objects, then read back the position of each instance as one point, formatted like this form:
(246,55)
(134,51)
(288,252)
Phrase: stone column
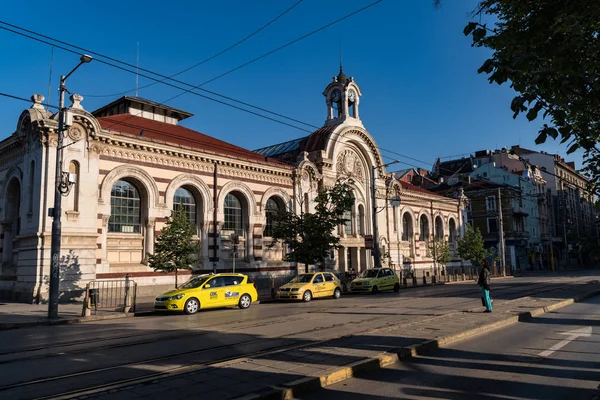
(149,237)
(104,241)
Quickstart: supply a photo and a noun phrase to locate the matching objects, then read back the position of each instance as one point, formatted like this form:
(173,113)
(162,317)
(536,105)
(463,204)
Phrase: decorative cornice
(193,161)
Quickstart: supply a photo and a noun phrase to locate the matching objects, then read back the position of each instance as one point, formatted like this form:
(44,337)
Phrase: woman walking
(485,283)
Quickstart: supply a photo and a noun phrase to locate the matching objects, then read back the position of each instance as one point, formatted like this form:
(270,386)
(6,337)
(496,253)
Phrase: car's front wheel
(191,306)
(375,289)
(307,296)
(245,301)
(337,293)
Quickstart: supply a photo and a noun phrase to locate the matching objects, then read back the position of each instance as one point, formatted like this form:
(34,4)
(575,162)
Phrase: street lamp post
(376,252)
(62,187)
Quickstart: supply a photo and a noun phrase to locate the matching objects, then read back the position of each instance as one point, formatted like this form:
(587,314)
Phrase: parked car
(376,280)
(209,291)
(312,285)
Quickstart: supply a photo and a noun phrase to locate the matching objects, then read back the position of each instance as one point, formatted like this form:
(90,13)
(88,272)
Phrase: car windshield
(194,282)
(369,273)
(303,278)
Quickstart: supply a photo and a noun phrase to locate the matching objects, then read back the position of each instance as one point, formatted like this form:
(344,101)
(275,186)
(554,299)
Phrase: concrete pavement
(229,353)
(21,315)
(547,357)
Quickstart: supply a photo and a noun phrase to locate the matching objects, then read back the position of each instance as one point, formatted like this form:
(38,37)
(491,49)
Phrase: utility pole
(434,238)
(215,219)
(62,187)
(376,252)
(501,228)
(377,258)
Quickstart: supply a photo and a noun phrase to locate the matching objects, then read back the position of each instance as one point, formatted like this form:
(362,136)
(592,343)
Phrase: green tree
(548,52)
(175,246)
(440,252)
(470,246)
(310,236)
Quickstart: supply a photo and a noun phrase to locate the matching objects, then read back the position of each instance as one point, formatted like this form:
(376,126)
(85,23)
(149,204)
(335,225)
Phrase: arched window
(361,220)
(306,203)
(395,217)
(452,234)
(348,222)
(183,198)
(406,227)
(125,208)
(271,209)
(439,228)
(74,171)
(423,228)
(233,215)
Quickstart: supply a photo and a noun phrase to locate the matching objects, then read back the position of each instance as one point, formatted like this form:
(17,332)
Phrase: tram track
(181,366)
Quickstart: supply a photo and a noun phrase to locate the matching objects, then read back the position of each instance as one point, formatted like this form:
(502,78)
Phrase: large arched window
(271,209)
(452,233)
(406,227)
(423,228)
(183,198)
(125,208)
(361,220)
(439,228)
(233,215)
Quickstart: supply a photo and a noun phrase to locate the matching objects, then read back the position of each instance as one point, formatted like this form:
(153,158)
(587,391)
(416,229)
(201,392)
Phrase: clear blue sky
(422,96)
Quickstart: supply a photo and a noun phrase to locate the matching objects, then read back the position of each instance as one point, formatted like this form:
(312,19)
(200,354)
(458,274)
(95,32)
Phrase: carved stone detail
(75,132)
(105,219)
(349,164)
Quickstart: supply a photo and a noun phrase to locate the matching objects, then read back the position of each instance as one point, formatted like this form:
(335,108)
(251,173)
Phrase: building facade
(572,220)
(131,162)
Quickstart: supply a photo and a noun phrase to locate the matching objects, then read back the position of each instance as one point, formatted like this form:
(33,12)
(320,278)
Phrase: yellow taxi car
(376,280)
(308,286)
(209,291)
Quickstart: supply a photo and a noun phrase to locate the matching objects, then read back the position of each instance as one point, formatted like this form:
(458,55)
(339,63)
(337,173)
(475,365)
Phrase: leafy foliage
(310,236)
(549,53)
(440,252)
(470,246)
(175,246)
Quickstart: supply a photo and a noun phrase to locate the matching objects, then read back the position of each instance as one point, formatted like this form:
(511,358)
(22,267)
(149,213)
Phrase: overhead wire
(231,47)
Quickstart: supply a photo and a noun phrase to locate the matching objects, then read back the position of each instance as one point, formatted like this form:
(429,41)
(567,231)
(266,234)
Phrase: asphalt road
(47,361)
(555,356)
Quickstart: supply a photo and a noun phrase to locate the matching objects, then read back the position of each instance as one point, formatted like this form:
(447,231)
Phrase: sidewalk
(289,372)
(22,315)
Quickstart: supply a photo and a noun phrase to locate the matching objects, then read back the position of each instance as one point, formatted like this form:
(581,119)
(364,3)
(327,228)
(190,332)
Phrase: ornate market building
(131,161)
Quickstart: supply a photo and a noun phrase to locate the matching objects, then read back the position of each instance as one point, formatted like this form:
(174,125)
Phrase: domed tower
(342,97)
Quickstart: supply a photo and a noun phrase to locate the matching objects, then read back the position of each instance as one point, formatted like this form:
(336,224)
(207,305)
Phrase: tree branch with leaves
(175,247)
(310,236)
(548,51)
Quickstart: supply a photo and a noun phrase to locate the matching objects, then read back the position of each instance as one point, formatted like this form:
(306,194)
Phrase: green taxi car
(375,280)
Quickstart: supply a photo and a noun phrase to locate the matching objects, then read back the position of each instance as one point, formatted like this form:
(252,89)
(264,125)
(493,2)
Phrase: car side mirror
(206,286)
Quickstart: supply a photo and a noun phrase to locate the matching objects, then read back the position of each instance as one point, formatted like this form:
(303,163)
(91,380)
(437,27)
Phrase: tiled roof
(414,188)
(318,139)
(147,129)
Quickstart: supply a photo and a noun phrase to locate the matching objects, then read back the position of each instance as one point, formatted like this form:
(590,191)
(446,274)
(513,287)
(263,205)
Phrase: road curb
(392,356)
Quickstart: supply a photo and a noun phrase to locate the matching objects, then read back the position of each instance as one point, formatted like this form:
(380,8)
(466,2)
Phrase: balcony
(520,211)
(541,197)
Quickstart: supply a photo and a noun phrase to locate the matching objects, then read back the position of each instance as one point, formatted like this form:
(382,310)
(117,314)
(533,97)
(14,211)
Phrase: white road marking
(585,332)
